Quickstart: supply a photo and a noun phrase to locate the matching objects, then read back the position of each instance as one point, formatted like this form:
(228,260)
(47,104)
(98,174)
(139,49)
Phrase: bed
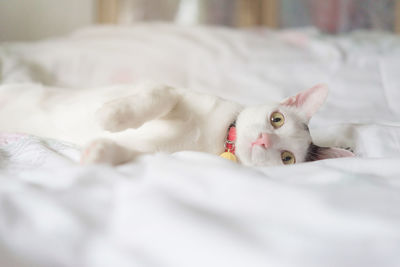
(195,209)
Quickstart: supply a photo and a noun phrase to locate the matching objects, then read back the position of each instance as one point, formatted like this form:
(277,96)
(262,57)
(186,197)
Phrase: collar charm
(230,144)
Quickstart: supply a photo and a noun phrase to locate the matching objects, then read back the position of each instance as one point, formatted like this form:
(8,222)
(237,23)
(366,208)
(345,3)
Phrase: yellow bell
(228,155)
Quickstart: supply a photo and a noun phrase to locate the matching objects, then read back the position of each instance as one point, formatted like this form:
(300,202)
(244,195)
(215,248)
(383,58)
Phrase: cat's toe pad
(99,151)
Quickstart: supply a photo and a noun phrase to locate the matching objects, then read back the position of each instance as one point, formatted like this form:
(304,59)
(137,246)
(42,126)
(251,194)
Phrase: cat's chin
(259,156)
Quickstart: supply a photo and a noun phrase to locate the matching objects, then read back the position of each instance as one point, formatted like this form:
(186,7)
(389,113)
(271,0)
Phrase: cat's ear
(318,153)
(308,101)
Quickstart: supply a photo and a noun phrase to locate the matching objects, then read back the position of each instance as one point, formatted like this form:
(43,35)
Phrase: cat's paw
(99,151)
(116,116)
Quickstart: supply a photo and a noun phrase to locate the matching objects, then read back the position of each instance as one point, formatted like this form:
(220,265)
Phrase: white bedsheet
(194,209)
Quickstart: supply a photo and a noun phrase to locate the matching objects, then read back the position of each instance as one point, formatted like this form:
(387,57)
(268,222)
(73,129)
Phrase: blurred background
(35,19)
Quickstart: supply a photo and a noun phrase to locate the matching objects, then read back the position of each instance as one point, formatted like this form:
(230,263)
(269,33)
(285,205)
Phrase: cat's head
(278,134)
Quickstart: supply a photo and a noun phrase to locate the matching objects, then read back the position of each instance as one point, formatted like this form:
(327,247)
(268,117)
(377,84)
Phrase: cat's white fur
(117,124)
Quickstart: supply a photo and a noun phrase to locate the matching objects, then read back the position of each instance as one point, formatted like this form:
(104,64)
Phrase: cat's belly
(43,113)
(57,125)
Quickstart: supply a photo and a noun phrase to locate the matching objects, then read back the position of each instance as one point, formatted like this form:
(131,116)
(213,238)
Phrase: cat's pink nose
(264,140)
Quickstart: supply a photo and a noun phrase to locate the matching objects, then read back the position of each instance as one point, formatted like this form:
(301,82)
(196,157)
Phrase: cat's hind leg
(155,136)
(134,110)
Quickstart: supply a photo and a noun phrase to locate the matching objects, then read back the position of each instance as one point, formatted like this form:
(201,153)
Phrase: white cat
(117,124)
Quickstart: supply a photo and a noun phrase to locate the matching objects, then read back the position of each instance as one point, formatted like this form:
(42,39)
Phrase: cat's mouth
(259,155)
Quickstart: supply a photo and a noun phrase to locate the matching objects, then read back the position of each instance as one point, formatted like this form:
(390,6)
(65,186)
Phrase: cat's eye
(288,157)
(277,119)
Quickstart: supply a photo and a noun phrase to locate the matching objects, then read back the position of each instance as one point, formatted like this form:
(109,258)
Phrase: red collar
(230,139)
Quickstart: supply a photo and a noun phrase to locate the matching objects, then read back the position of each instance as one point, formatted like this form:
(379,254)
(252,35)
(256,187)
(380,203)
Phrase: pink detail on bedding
(123,75)
(7,138)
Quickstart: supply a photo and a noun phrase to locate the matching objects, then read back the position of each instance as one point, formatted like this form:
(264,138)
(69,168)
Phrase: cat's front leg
(134,110)
(106,151)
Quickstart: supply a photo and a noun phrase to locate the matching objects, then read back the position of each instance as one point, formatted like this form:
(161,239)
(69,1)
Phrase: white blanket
(194,209)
